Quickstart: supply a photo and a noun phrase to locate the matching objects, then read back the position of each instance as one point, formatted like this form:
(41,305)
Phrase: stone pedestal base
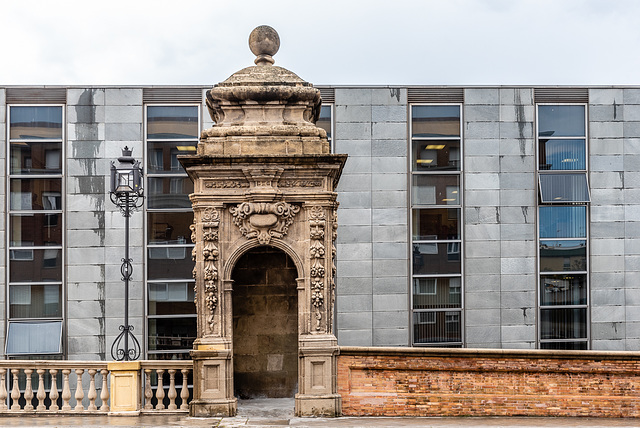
(210,408)
(212,380)
(318,405)
(318,376)
(125,386)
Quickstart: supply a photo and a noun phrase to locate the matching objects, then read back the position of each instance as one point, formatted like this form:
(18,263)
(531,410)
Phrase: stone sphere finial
(264,43)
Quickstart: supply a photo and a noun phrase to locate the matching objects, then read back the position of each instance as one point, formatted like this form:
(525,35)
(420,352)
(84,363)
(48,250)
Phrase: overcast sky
(422,42)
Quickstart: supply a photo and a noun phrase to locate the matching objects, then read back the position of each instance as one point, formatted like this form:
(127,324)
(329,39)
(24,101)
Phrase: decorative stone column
(263,175)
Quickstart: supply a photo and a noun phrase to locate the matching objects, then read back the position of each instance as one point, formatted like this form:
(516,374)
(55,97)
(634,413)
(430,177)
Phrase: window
(171,130)
(562,227)
(325,122)
(35,238)
(436,224)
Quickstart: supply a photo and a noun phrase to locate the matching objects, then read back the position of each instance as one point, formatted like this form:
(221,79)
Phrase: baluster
(104,394)
(184,394)
(172,390)
(53,392)
(28,391)
(66,390)
(3,389)
(160,391)
(15,391)
(148,392)
(92,391)
(41,395)
(79,392)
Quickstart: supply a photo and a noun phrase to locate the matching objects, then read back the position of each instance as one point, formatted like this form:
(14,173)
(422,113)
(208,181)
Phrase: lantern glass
(125,181)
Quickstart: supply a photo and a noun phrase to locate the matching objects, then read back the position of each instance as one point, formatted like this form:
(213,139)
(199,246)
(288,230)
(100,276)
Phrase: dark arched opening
(265,324)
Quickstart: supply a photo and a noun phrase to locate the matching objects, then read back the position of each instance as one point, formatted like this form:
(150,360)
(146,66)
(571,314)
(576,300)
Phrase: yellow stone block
(125,386)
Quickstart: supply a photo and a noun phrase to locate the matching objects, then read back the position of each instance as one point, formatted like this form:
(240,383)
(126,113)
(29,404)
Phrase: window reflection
(35,301)
(436,121)
(172,122)
(436,223)
(167,334)
(561,121)
(436,155)
(169,227)
(563,221)
(35,122)
(558,256)
(436,190)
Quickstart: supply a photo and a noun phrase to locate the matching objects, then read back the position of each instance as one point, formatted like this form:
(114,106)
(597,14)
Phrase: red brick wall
(475,382)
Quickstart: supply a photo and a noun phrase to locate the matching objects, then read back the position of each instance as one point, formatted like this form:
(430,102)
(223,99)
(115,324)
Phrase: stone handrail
(39,386)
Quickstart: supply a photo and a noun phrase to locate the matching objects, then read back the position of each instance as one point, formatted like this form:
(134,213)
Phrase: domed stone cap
(250,97)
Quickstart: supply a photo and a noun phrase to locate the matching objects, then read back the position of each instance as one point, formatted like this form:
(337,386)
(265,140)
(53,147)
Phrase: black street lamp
(126,193)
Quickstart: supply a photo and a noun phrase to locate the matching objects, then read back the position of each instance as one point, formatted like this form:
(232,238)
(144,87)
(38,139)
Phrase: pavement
(279,412)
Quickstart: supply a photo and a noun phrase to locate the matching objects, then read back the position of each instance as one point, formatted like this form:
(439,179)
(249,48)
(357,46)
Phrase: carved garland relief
(317,223)
(210,253)
(264,220)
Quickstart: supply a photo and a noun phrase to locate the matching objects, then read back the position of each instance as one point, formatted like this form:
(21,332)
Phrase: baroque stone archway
(263,176)
(265,324)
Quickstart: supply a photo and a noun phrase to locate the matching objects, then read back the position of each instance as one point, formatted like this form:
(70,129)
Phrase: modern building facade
(491,217)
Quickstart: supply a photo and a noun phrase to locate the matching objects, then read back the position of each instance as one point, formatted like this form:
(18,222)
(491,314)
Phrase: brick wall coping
(487,353)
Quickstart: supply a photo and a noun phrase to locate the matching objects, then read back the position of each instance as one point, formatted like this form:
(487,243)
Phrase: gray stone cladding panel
(352,113)
(517,333)
(355,337)
(123,97)
(486,96)
(353,96)
(388,130)
(346,286)
(391,336)
(354,303)
(389,113)
(354,320)
(389,96)
(391,319)
(389,148)
(606,96)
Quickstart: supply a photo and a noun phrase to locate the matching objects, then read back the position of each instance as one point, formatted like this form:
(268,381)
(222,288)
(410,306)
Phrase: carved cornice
(264,220)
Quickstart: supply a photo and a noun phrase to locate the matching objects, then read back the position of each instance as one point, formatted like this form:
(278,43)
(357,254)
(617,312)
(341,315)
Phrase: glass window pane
(563,221)
(563,290)
(171,333)
(35,301)
(170,227)
(435,121)
(162,157)
(437,327)
(562,155)
(563,323)
(34,338)
(324,121)
(561,121)
(172,122)
(435,190)
(558,256)
(36,194)
(169,192)
(36,158)
(436,223)
(431,293)
(564,188)
(171,298)
(29,122)
(436,155)
(436,258)
(169,263)
(35,230)
(27,265)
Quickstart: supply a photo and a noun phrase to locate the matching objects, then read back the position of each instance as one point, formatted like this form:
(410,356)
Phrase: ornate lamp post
(126,193)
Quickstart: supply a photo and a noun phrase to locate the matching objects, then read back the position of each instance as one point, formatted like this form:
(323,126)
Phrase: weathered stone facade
(263,176)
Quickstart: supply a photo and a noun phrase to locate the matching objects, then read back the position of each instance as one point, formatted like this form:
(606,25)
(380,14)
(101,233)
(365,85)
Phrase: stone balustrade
(35,386)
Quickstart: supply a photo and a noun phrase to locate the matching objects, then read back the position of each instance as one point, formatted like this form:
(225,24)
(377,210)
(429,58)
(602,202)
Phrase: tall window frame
(170,312)
(325,121)
(563,296)
(436,224)
(35,260)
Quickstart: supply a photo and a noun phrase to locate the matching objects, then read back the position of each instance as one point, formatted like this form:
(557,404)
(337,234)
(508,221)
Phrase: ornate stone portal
(263,176)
